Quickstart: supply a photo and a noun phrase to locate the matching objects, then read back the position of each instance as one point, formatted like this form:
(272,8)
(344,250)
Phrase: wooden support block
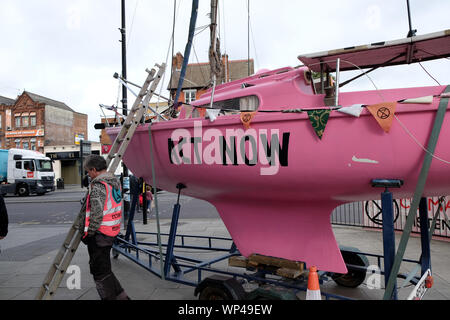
(289,273)
(237,261)
(276,262)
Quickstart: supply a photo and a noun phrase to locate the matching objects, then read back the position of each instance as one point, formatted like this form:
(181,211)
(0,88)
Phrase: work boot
(123,296)
(109,287)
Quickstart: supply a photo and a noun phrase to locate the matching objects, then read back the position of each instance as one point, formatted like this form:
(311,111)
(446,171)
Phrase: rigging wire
(132,23)
(201,69)
(222,22)
(248,37)
(254,46)
(171,45)
(426,71)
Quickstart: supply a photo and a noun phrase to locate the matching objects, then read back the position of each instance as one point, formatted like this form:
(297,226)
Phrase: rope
(156,201)
(418,143)
(420,64)
(132,23)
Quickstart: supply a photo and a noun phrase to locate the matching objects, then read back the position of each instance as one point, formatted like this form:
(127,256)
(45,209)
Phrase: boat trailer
(263,280)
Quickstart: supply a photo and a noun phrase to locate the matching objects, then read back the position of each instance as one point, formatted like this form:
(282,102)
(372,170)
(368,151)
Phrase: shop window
(33,144)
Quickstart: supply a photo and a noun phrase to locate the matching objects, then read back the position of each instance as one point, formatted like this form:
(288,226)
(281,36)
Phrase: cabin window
(18,164)
(189,95)
(249,103)
(233,106)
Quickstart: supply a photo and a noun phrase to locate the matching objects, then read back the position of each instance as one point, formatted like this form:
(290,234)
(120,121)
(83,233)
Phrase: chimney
(177,61)
(226,68)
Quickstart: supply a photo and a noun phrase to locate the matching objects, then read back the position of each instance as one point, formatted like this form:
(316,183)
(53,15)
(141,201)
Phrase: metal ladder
(73,238)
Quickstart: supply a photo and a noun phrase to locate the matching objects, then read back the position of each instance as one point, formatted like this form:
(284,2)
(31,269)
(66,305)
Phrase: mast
(124,88)
(411,32)
(214,50)
(187,52)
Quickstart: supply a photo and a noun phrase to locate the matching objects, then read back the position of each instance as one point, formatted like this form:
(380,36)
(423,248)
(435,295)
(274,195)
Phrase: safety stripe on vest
(112,215)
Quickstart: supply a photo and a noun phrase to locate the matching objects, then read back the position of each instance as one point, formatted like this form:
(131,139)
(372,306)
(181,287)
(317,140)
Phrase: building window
(33,144)
(25,145)
(33,120)
(189,95)
(0,121)
(17,118)
(17,141)
(24,121)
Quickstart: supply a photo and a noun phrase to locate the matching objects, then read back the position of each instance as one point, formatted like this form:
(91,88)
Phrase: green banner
(319,119)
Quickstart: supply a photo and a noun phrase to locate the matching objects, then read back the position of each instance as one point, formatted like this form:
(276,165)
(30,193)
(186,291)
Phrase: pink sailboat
(276,152)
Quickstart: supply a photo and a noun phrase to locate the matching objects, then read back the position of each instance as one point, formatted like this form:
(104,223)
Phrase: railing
(368,214)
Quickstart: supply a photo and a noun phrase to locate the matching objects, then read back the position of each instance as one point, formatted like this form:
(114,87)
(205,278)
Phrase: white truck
(24,172)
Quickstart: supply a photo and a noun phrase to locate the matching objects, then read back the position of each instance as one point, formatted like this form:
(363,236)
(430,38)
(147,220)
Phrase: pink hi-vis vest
(112,214)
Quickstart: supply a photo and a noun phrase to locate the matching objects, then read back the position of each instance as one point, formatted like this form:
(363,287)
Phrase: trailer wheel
(22,190)
(214,293)
(218,287)
(354,277)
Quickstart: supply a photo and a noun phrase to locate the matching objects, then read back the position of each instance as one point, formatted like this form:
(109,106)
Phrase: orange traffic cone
(313,291)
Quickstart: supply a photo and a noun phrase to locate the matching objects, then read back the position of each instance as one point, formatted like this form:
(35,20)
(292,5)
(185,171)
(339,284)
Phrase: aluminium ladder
(73,238)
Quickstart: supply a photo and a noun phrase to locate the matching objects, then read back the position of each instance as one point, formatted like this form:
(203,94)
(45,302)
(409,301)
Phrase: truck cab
(27,172)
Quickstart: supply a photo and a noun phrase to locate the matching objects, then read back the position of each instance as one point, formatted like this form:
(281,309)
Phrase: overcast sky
(68,50)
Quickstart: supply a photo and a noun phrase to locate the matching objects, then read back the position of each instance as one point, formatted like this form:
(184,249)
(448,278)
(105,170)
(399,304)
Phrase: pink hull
(284,210)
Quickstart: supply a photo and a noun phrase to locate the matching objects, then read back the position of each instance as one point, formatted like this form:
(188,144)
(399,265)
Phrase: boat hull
(276,184)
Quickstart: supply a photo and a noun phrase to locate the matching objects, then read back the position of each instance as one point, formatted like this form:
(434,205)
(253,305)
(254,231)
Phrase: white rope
(171,44)
(418,143)
(429,74)
(132,23)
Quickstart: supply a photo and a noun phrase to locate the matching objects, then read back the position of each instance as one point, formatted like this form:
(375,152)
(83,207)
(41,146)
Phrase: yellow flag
(383,113)
(246,118)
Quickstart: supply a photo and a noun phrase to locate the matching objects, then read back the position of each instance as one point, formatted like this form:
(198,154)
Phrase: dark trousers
(99,249)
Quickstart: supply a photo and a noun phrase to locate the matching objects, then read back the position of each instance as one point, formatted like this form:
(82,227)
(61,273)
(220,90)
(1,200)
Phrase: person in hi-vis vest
(99,222)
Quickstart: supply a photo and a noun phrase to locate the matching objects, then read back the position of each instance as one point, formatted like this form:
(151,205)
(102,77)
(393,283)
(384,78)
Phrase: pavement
(25,260)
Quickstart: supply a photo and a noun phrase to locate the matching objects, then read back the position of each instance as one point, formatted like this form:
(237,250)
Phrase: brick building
(198,76)
(32,122)
(35,122)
